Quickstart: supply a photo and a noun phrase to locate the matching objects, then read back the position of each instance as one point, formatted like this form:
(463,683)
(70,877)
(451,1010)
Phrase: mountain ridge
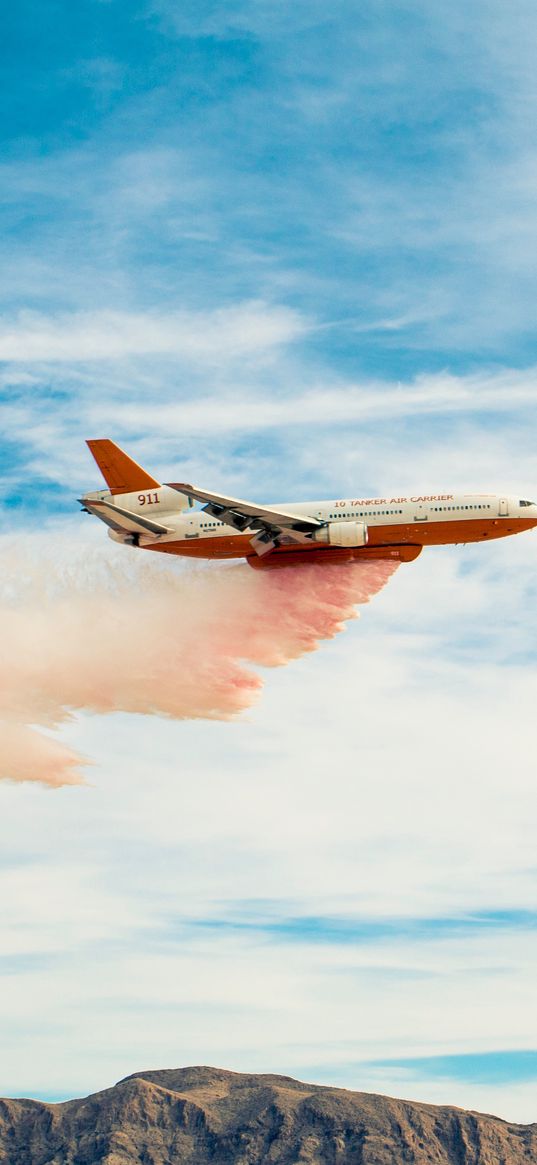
(201,1115)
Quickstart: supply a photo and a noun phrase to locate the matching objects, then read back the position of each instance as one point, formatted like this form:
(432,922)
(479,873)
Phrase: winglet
(121,474)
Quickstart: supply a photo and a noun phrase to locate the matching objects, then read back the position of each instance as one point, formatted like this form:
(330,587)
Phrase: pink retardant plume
(26,755)
(139,637)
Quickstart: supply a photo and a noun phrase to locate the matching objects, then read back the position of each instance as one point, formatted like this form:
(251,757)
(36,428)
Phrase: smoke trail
(139,637)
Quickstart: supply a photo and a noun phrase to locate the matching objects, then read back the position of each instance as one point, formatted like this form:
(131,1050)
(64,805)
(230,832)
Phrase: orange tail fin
(121,474)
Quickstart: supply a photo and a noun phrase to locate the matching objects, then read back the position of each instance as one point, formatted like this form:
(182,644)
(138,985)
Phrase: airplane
(141,511)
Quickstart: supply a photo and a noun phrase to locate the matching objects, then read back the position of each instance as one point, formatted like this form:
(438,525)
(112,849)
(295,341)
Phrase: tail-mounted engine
(342,534)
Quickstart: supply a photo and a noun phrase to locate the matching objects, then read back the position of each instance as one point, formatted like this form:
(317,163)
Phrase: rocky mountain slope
(197,1116)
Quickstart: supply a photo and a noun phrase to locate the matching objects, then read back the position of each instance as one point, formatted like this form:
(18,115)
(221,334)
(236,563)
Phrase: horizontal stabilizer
(121,474)
(119,519)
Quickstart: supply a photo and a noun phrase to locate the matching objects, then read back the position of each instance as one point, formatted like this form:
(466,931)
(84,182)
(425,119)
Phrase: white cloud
(265,431)
(199,337)
(500,391)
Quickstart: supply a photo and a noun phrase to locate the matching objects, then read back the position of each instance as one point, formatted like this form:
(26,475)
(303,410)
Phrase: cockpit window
(523,502)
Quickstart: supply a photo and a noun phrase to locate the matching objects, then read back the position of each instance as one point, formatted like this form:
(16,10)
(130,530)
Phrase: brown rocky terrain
(206,1116)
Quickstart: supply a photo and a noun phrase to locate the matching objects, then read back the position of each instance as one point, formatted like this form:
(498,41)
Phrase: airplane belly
(456,531)
(405,540)
(224,546)
(471,530)
(289,556)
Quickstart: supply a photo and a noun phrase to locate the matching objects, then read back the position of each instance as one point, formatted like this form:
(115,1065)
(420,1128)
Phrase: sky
(286,253)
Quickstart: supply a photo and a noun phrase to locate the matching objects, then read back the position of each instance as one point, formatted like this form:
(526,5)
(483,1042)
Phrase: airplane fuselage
(350,528)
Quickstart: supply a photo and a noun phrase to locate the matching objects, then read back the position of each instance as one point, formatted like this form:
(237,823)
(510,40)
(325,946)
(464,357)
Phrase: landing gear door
(422,512)
(503,508)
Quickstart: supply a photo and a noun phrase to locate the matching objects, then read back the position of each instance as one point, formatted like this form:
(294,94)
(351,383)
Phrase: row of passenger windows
(436,509)
(363,514)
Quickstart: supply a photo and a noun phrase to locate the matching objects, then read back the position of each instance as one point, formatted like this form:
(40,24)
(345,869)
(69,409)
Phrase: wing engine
(342,534)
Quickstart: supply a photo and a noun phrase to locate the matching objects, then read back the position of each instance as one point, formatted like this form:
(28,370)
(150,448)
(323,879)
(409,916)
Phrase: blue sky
(369,168)
(287,252)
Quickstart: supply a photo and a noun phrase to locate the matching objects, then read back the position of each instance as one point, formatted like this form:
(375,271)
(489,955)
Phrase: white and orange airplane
(140,511)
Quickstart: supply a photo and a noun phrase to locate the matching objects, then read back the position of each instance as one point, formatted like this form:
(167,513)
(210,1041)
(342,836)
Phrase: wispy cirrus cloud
(332,931)
(233,406)
(239,331)
(340,404)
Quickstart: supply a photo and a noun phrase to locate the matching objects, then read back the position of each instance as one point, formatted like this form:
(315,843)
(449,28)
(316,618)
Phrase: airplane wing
(272,525)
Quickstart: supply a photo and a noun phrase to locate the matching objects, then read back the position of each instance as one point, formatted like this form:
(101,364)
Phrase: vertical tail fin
(121,474)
